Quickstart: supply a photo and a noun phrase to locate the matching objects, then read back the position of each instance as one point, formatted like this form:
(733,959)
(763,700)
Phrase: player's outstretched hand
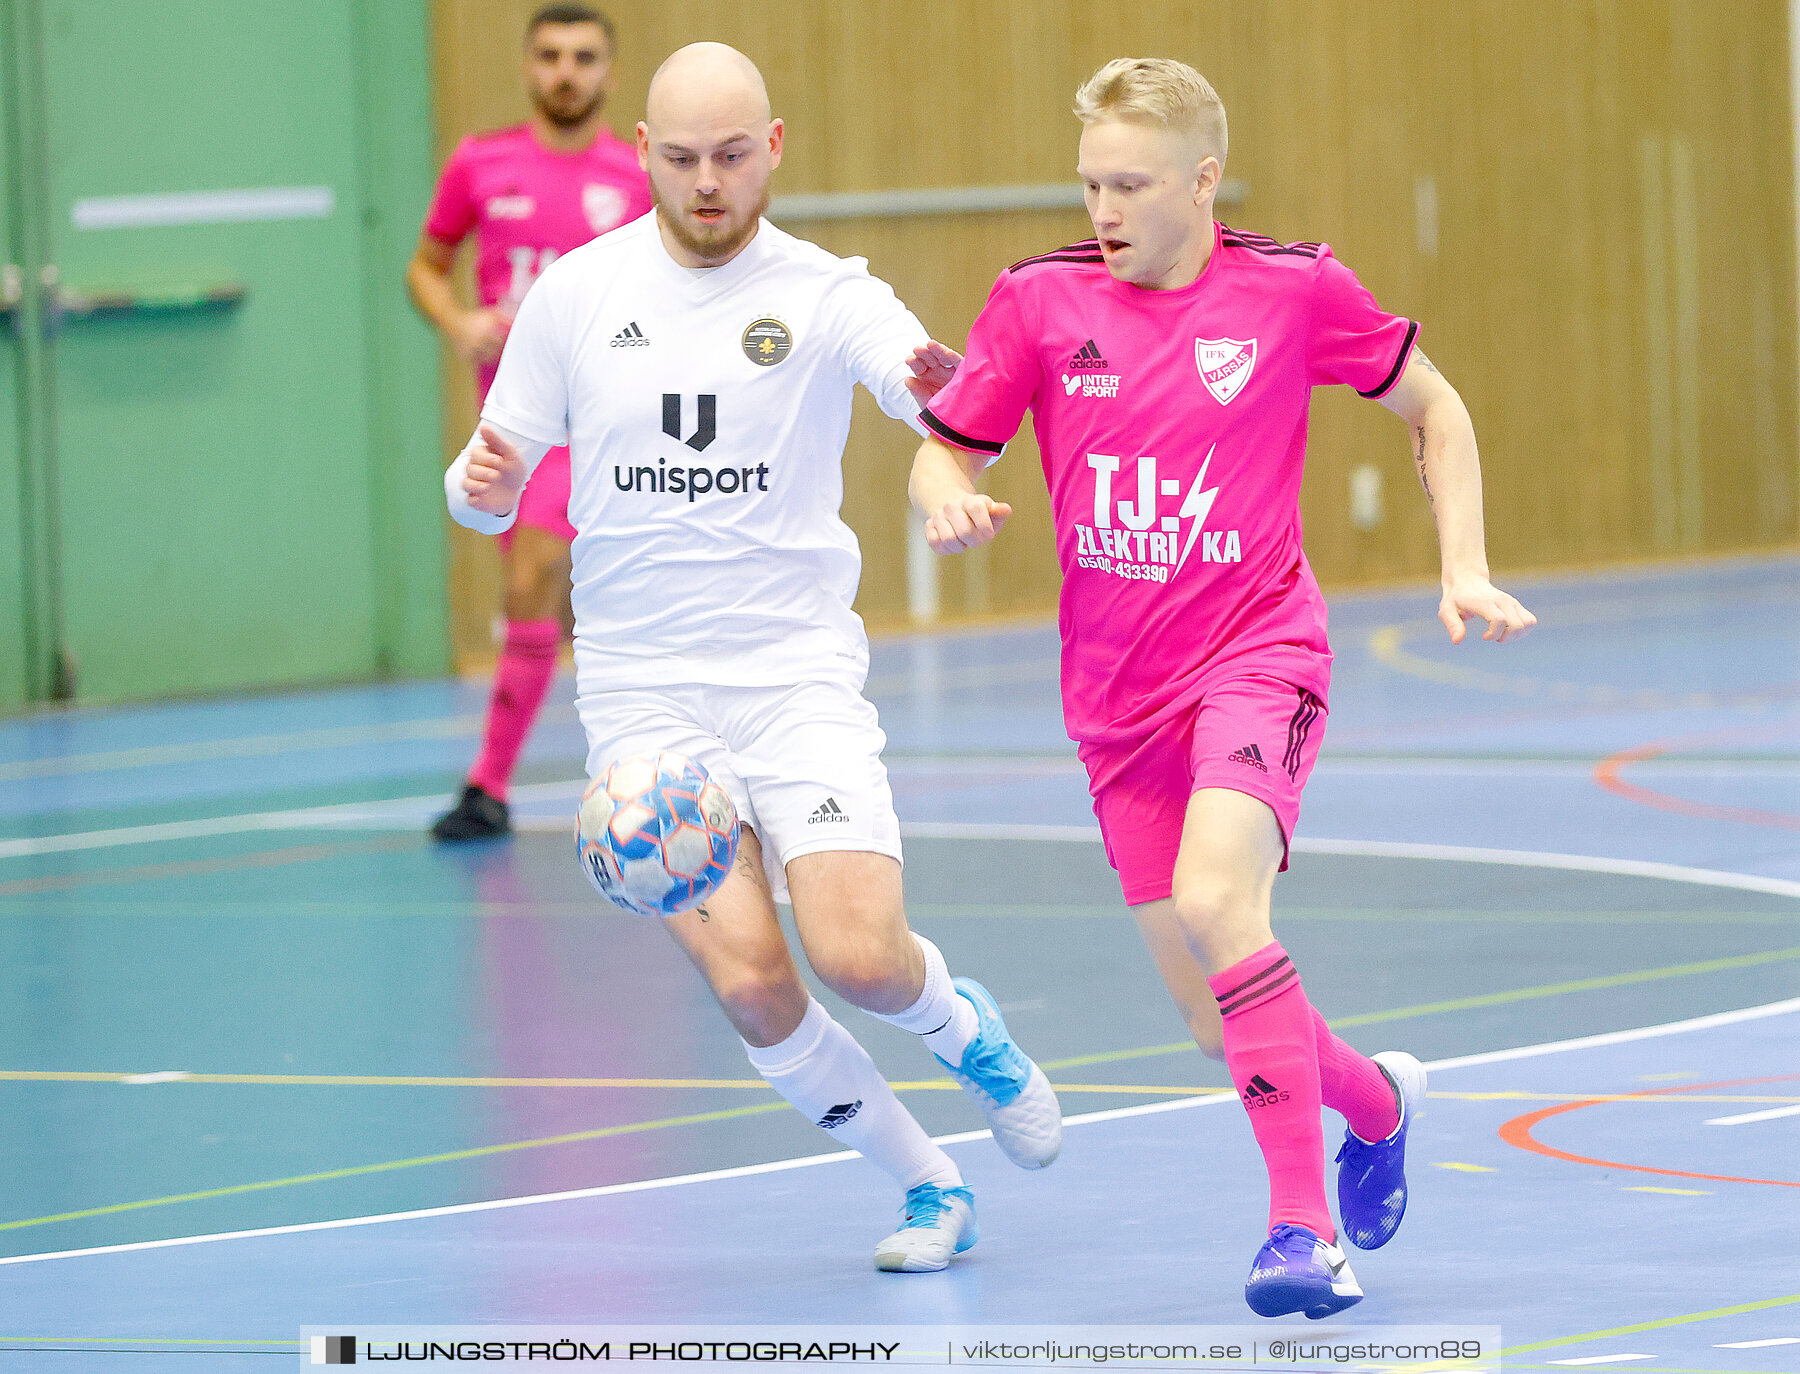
(964,521)
(1476,598)
(496,474)
(932,364)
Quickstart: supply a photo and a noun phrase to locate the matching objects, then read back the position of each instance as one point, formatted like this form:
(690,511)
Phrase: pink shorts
(1249,732)
(545,502)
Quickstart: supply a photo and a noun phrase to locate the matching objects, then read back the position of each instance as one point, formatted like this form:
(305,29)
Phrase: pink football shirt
(528,205)
(1173,431)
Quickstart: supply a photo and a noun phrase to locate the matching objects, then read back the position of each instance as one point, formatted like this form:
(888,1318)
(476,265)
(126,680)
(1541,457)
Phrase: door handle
(12,295)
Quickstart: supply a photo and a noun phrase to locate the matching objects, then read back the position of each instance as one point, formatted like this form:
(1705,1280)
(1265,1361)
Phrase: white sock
(942,1017)
(831,1079)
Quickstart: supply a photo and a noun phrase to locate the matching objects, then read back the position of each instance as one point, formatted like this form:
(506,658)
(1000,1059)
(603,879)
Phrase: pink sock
(1273,1058)
(521,678)
(1354,1086)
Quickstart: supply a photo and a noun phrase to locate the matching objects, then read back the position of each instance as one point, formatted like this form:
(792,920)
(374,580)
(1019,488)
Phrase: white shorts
(802,763)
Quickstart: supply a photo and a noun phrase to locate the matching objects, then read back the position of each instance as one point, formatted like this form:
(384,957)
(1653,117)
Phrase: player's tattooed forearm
(1423,361)
(1419,462)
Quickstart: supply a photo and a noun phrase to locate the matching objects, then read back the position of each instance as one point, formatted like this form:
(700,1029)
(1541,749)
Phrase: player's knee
(1204,902)
(862,976)
(759,996)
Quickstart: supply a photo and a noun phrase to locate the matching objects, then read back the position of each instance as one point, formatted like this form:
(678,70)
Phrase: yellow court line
(755,1084)
(1657,1325)
(1387,645)
(1115,1056)
(1600,1097)
(450,1156)
(1507,1353)
(1049,1066)
(758,1084)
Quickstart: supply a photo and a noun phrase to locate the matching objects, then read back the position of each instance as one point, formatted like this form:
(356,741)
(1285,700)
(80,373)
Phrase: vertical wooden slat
(1529,117)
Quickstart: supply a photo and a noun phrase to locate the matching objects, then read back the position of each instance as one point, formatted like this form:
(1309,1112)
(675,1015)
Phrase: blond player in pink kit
(1168,364)
(529,194)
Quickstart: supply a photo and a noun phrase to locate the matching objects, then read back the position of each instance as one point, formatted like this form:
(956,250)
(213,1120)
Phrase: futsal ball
(655,835)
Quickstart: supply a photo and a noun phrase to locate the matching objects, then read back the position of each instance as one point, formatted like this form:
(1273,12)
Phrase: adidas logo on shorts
(839,1114)
(1251,755)
(629,337)
(831,811)
(1259,1092)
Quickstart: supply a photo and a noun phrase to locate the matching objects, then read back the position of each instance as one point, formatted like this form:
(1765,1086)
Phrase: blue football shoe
(1372,1176)
(1012,1091)
(1295,1271)
(936,1223)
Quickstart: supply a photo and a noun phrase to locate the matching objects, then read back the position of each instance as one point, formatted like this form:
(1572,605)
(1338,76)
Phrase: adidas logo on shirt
(630,337)
(841,1113)
(1087,359)
(831,811)
(1251,755)
(1259,1092)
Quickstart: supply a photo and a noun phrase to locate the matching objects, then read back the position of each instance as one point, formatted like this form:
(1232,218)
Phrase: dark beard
(559,115)
(719,245)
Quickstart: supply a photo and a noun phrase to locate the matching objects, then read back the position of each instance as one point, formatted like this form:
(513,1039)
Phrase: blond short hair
(1158,91)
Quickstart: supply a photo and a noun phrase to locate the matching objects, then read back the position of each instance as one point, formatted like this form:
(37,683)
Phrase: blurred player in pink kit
(529,194)
(1168,364)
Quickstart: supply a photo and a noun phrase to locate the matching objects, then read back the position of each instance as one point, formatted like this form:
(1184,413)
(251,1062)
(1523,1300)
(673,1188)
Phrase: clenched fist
(496,474)
(964,521)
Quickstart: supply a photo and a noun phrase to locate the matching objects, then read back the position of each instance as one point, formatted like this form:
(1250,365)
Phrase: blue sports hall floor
(271,1060)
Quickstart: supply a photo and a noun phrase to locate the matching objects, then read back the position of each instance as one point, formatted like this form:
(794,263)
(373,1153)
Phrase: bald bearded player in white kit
(700,364)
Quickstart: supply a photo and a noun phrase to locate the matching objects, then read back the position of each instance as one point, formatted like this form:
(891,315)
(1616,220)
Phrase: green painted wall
(396,156)
(247,496)
(14,681)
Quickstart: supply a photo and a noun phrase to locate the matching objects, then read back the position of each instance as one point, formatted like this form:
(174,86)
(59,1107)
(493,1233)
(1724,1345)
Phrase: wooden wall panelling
(1532,121)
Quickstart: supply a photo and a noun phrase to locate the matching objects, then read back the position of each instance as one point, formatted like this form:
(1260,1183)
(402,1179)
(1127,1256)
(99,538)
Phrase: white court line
(396,814)
(1748,1117)
(1758,1345)
(780,1166)
(1601,1359)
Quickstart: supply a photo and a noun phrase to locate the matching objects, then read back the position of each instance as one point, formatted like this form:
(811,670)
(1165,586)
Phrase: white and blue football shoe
(1371,1181)
(1295,1271)
(936,1223)
(1011,1091)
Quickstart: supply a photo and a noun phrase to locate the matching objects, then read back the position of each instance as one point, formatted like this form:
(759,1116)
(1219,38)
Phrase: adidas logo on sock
(1259,1092)
(1087,359)
(630,337)
(1251,755)
(839,1114)
(831,811)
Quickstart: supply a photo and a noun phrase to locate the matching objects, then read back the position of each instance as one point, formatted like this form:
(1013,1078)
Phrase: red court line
(1517,1132)
(1607,773)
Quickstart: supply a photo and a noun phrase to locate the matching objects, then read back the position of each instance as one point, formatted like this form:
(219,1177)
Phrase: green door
(213,475)
(235,417)
(15,650)
(29,601)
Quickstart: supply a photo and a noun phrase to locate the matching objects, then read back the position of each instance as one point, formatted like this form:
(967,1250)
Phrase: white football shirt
(705,414)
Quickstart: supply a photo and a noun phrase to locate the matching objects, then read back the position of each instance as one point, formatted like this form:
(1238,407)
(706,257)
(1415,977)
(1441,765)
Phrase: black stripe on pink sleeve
(944,432)
(1412,332)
